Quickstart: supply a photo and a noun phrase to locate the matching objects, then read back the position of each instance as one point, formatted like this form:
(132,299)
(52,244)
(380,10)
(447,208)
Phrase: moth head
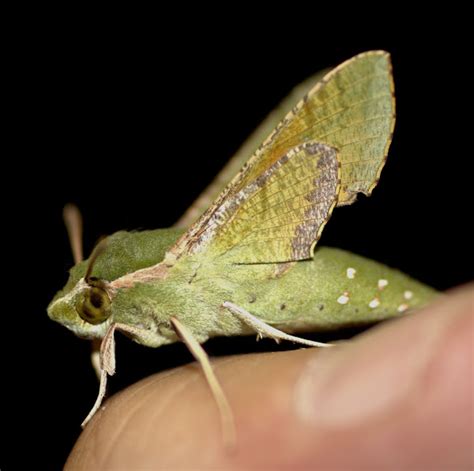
(84,305)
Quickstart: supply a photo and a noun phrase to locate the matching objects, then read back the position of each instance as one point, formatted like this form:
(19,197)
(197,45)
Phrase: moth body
(294,296)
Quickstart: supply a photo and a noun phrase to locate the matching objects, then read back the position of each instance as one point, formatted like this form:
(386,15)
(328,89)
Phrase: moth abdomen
(336,289)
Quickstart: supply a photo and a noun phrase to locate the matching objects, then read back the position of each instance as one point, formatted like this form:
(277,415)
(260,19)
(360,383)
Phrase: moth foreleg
(265,330)
(106,364)
(225,411)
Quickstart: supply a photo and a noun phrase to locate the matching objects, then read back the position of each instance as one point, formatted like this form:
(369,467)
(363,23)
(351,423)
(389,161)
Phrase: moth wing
(352,109)
(278,217)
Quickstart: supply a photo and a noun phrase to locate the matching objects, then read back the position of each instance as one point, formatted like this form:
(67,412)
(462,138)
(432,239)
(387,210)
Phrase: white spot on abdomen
(408,295)
(350,272)
(344,298)
(402,307)
(374,303)
(382,283)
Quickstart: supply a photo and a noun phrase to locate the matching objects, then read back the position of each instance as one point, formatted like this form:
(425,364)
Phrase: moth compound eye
(94,306)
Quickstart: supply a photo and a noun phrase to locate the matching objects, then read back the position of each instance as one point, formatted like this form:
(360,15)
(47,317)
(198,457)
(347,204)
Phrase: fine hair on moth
(244,258)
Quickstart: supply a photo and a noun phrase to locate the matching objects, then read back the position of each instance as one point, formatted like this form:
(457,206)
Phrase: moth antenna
(98,250)
(73,222)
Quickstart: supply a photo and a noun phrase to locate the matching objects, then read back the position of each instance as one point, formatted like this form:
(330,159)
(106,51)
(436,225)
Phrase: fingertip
(170,419)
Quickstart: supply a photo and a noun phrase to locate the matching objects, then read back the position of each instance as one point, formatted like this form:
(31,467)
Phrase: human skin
(399,396)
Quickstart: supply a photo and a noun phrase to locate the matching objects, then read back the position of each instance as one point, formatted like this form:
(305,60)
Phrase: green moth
(249,263)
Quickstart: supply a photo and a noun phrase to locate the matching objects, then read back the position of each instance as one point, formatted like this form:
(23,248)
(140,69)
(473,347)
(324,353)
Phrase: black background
(132,123)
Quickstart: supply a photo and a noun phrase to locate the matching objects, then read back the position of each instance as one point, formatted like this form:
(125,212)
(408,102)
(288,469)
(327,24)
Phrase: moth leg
(225,411)
(106,364)
(265,330)
(95,356)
